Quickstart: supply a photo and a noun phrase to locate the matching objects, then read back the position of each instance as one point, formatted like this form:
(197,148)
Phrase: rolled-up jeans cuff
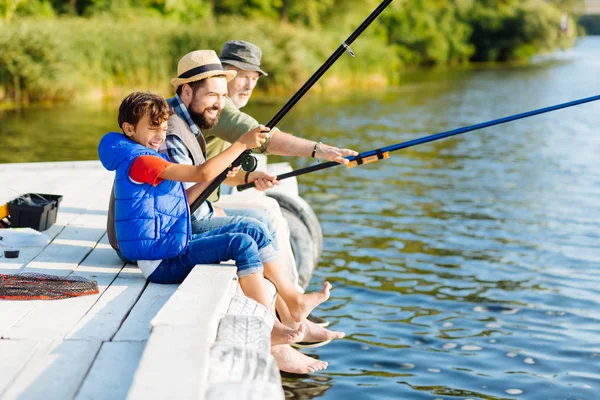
(268,253)
(249,270)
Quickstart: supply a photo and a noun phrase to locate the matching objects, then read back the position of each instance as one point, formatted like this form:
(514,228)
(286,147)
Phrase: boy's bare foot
(307,302)
(281,334)
(316,333)
(294,362)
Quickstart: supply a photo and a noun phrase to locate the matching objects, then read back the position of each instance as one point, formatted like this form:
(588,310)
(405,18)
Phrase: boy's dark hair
(138,104)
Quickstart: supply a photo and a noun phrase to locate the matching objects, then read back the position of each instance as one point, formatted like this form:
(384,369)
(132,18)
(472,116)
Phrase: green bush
(136,44)
(33,64)
(59,58)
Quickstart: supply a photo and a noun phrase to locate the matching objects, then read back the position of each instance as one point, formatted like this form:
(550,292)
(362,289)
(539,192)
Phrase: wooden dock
(134,340)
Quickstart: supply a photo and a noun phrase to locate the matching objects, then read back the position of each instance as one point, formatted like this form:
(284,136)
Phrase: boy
(152,217)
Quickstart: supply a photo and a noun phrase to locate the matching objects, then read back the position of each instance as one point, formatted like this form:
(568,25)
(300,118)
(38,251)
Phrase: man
(245,58)
(185,144)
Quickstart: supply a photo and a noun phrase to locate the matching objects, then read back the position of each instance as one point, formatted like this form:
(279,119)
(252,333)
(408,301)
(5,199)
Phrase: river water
(463,268)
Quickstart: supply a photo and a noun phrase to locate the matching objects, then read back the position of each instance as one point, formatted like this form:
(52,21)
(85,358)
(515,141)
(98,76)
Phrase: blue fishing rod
(378,154)
(245,159)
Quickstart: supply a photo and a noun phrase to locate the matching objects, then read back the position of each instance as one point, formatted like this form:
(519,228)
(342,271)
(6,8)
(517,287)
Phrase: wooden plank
(200,299)
(112,372)
(137,324)
(105,317)
(43,166)
(246,391)
(54,319)
(71,210)
(174,364)
(186,325)
(67,250)
(26,254)
(11,312)
(54,371)
(15,354)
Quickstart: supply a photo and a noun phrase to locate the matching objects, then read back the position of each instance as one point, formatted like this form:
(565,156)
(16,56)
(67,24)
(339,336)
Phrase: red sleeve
(146,169)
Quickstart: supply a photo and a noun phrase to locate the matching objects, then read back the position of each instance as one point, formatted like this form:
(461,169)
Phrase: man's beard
(203,121)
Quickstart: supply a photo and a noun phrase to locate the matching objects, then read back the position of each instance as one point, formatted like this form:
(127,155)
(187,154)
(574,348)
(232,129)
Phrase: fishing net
(34,286)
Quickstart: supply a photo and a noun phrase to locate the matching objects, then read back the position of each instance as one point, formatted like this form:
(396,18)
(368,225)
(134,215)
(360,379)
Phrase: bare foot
(305,303)
(316,333)
(294,362)
(281,334)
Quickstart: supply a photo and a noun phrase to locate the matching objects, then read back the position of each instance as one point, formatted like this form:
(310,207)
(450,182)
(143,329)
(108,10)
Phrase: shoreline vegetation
(56,51)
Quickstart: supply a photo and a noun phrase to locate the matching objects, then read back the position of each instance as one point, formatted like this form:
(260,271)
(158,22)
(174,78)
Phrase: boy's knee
(242,242)
(254,228)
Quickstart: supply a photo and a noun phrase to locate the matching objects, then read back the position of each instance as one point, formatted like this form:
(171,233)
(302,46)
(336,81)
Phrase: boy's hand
(255,137)
(233,171)
(262,180)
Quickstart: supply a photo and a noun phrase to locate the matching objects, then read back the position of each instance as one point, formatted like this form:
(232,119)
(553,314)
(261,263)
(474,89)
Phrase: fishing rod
(344,47)
(378,154)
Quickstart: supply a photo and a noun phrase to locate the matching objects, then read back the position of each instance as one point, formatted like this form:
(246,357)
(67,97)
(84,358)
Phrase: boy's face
(240,88)
(208,101)
(146,134)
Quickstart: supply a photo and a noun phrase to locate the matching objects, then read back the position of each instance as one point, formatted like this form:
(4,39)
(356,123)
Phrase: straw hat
(198,65)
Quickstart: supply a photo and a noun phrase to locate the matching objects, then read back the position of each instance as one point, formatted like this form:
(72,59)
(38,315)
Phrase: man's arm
(285,144)
(233,123)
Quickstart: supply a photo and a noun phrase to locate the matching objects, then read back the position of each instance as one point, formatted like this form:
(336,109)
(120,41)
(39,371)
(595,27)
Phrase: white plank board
(174,364)
(15,354)
(54,371)
(11,312)
(250,390)
(67,250)
(137,324)
(112,372)
(26,254)
(55,318)
(104,318)
(78,208)
(200,299)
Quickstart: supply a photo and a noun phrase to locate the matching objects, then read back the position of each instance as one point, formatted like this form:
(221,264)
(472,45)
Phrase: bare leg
(313,332)
(292,361)
(253,286)
(299,304)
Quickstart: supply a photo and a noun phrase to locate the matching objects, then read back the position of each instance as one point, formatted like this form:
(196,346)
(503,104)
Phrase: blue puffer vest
(151,222)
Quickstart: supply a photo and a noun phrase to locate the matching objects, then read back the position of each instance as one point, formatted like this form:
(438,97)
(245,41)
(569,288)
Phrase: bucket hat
(198,65)
(243,55)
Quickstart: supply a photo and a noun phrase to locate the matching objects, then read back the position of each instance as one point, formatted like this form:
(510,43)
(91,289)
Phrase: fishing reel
(249,163)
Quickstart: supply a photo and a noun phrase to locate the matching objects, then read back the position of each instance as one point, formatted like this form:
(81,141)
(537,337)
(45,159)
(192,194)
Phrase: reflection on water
(463,268)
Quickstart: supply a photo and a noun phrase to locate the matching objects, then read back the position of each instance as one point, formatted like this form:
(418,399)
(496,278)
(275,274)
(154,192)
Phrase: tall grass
(62,58)
(59,59)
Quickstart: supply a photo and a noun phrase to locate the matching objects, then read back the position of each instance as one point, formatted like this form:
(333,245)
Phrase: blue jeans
(235,215)
(245,242)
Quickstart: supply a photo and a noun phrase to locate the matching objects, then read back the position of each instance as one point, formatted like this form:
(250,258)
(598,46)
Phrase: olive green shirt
(232,124)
